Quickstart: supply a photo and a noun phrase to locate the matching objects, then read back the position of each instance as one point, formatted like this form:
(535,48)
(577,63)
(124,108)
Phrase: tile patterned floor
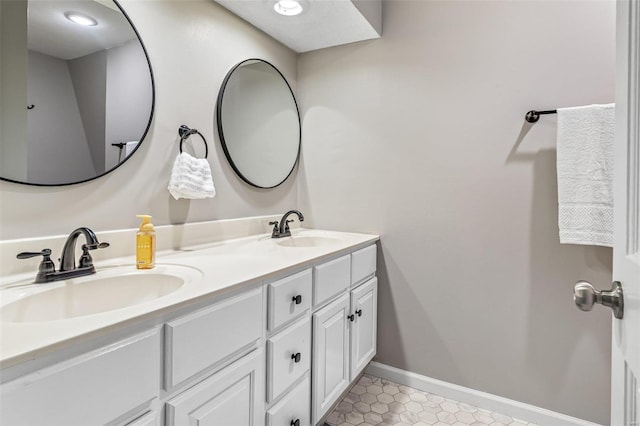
(375,401)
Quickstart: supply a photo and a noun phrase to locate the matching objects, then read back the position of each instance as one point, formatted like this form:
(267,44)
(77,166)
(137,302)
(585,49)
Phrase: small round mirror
(259,123)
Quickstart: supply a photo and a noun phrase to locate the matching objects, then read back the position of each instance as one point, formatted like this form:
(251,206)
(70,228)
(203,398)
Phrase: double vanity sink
(251,320)
(121,286)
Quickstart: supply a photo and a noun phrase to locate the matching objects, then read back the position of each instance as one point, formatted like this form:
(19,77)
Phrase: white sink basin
(107,290)
(307,241)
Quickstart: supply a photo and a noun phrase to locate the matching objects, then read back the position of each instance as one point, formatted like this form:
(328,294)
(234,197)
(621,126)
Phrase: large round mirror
(259,123)
(77,90)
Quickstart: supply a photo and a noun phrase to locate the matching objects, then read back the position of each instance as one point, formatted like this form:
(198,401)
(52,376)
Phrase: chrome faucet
(282,229)
(47,271)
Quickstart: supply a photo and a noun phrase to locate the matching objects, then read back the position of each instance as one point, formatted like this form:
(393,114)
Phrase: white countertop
(218,267)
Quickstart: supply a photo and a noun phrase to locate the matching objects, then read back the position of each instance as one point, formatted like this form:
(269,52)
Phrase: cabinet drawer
(202,339)
(363,264)
(294,406)
(288,298)
(232,396)
(331,278)
(95,388)
(283,370)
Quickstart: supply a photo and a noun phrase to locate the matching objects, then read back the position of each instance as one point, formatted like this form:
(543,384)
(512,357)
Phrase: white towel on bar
(585,174)
(129,147)
(191,178)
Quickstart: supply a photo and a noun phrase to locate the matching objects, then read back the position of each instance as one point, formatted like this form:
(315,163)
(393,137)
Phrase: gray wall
(89,76)
(128,100)
(58,150)
(419,136)
(192,45)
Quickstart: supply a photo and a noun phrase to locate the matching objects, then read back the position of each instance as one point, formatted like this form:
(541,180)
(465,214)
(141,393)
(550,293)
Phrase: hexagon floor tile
(379,402)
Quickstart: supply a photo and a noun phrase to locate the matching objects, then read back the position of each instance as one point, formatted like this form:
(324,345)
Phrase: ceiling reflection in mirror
(77,99)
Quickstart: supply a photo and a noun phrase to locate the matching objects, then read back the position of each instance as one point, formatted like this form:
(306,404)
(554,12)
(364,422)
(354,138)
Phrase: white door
(625,393)
(364,302)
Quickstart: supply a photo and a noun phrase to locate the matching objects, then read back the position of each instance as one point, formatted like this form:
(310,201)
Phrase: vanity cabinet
(344,331)
(277,353)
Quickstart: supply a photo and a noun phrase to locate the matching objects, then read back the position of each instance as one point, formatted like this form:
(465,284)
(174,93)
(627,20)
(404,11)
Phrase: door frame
(626,194)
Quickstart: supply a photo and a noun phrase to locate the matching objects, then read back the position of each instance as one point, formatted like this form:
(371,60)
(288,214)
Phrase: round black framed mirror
(78,91)
(259,123)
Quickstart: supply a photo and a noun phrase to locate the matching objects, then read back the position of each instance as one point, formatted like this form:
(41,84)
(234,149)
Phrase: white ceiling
(51,33)
(323,23)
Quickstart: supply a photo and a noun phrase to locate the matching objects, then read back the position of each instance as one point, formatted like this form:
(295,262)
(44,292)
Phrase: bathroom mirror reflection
(259,123)
(77,90)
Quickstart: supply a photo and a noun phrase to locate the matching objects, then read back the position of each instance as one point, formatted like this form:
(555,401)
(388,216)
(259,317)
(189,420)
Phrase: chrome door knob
(585,296)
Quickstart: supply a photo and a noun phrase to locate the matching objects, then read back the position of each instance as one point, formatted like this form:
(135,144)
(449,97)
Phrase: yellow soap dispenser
(145,243)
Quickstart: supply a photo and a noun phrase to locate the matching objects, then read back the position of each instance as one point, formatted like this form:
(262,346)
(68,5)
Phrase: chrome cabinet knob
(585,296)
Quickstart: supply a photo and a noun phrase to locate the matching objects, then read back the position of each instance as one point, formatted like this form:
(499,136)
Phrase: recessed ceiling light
(81,19)
(288,7)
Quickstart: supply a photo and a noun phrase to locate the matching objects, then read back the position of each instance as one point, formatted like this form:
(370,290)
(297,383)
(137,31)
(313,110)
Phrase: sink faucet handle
(95,246)
(46,266)
(86,260)
(29,254)
(276,228)
(286,224)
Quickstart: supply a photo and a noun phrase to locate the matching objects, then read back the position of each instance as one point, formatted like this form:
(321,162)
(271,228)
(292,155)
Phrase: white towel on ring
(585,174)
(191,178)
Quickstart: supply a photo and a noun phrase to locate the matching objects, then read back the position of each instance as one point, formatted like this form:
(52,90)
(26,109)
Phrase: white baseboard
(509,407)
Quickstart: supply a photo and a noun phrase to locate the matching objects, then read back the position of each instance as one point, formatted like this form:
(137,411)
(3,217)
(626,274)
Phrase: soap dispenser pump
(145,243)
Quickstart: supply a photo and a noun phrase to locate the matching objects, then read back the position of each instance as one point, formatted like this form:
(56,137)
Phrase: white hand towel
(129,147)
(191,178)
(585,174)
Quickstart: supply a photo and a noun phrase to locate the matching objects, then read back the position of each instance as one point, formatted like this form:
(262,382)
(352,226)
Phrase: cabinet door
(364,302)
(232,397)
(330,355)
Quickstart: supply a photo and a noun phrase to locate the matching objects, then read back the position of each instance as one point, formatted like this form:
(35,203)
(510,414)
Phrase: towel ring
(185,132)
